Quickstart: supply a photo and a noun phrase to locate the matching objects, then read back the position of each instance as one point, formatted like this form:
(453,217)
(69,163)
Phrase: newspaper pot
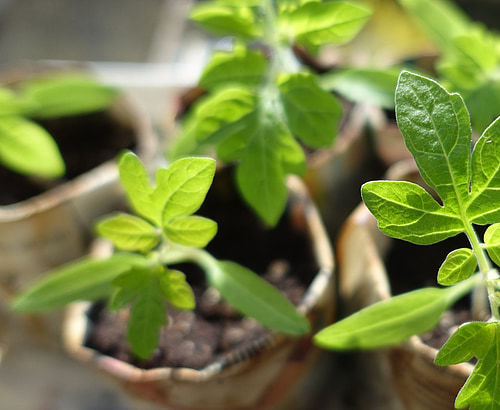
(362,252)
(272,371)
(53,227)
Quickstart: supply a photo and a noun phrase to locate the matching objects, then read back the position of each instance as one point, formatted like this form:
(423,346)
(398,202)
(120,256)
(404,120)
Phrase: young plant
(163,232)
(470,56)
(25,146)
(436,128)
(259,101)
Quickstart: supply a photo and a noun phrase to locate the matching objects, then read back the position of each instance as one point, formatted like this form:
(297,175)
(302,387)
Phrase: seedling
(25,146)
(259,101)
(470,56)
(436,128)
(162,232)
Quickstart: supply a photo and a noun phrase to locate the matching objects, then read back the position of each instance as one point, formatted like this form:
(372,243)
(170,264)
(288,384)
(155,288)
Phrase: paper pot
(273,371)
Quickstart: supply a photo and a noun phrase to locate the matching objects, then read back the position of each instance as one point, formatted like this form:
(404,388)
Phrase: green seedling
(469,60)
(436,128)
(163,232)
(25,146)
(259,100)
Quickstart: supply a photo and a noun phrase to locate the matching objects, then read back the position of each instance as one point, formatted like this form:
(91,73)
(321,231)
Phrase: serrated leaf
(390,321)
(315,23)
(27,148)
(366,85)
(181,188)
(407,211)
(482,103)
(133,278)
(291,154)
(64,95)
(436,128)
(485,195)
(87,279)
(492,240)
(177,291)
(459,265)
(482,388)
(226,19)
(147,316)
(121,298)
(442,20)
(312,114)
(191,230)
(256,298)
(242,66)
(260,175)
(135,180)
(471,339)
(128,232)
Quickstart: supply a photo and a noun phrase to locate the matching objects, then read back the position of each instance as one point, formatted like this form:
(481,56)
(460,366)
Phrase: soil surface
(282,256)
(85,141)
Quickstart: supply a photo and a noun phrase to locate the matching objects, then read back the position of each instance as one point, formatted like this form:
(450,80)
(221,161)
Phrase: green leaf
(86,279)
(9,103)
(459,265)
(121,298)
(191,230)
(483,103)
(312,114)
(390,321)
(27,148)
(147,316)
(315,23)
(482,388)
(223,19)
(135,180)
(406,211)
(64,95)
(436,128)
(367,85)
(256,298)
(129,232)
(442,20)
(485,195)
(177,291)
(134,278)
(260,175)
(242,66)
(492,240)
(182,187)
(471,339)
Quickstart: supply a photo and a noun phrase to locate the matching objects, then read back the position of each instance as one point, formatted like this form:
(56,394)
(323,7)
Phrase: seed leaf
(191,230)
(485,195)
(256,298)
(226,19)
(436,128)
(390,321)
(128,232)
(64,95)
(492,240)
(406,211)
(87,279)
(313,114)
(242,66)
(181,188)
(147,316)
(177,291)
(315,23)
(459,265)
(27,148)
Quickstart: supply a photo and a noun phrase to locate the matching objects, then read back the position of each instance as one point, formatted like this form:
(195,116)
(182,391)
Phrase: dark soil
(282,256)
(85,142)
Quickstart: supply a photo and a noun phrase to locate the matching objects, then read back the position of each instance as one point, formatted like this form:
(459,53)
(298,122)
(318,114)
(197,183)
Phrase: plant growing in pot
(262,107)
(60,129)
(162,234)
(436,128)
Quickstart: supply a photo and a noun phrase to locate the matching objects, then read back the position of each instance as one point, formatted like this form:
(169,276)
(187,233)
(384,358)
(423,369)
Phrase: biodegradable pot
(53,227)
(363,280)
(272,371)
